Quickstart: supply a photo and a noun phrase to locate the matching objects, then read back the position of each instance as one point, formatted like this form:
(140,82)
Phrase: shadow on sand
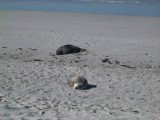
(90,87)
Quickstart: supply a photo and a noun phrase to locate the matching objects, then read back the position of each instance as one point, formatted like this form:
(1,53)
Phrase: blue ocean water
(120,7)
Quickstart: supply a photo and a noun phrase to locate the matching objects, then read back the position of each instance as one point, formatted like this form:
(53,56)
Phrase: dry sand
(33,79)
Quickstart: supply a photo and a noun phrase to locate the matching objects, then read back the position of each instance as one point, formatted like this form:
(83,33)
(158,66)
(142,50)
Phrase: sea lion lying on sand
(78,82)
(69,49)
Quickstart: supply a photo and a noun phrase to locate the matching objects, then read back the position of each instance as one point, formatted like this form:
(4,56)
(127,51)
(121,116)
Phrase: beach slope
(121,64)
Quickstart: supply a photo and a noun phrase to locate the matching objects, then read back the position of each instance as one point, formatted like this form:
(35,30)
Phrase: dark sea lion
(69,49)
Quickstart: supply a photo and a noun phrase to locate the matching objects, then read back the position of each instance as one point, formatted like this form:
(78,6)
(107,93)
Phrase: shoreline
(77,13)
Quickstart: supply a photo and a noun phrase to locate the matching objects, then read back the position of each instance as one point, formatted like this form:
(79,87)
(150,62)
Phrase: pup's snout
(78,86)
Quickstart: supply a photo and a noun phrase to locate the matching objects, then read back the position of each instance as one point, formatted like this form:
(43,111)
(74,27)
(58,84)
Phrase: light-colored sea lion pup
(78,82)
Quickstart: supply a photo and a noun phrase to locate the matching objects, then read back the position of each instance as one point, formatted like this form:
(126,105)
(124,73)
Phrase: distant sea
(118,7)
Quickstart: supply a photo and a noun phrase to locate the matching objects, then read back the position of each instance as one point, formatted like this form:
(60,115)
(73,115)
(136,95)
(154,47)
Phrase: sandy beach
(33,79)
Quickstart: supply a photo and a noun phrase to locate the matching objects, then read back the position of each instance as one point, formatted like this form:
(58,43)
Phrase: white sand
(33,79)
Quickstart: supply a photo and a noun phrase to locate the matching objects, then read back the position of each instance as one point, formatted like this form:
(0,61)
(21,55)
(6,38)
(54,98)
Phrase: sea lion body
(69,49)
(78,82)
